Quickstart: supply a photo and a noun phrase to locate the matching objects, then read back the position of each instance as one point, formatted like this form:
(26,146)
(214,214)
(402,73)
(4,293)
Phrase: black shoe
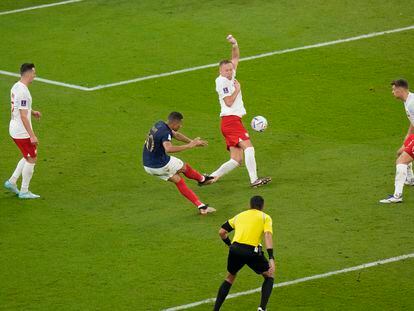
(208,180)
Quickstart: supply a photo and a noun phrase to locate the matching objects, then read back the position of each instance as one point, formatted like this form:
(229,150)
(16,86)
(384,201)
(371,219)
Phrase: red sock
(188,193)
(192,173)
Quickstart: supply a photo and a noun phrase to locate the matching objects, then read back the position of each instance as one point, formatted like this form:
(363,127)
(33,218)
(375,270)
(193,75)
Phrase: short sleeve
(268,224)
(166,136)
(410,110)
(21,101)
(231,222)
(223,88)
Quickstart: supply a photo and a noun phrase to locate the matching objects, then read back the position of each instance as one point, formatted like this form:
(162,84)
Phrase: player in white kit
(232,110)
(22,133)
(404,171)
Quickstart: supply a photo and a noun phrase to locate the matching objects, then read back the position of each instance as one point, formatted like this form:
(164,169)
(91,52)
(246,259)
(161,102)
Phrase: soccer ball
(259,123)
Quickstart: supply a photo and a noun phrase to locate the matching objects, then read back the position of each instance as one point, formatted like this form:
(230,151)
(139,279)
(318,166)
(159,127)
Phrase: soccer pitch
(107,236)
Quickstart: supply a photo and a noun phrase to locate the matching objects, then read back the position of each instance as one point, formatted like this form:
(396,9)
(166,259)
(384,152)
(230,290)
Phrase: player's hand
(198,143)
(236,85)
(272,266)
(231,39)
(37,114)
(34,140)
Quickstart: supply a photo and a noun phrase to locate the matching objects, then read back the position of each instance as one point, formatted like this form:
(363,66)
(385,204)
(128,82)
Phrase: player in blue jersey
(158,162)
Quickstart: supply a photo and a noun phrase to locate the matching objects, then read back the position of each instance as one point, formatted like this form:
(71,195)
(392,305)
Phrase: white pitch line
(71,86)
(38,7)
(301,280)
(165,74)
(306,47)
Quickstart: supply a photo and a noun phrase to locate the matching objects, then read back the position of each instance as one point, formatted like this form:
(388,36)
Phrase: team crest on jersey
(23,103)
(226,90)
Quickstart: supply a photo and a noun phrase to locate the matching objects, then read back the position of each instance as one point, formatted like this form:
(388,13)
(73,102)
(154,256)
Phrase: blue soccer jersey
(154,154)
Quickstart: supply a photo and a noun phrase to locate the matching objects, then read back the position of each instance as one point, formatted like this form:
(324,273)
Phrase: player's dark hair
(400,83)
(175,116)
(257,202)
(225,62)
(26,67)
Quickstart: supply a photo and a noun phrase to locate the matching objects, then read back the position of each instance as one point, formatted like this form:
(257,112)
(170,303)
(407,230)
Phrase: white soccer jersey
(224,88)
(409,107)
(20,99)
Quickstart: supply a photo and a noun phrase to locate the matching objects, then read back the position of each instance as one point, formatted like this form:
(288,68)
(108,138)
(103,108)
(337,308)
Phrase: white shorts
(167,171)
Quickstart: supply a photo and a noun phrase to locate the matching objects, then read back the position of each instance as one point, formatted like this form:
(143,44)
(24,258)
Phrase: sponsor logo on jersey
(226,90)
(23,103)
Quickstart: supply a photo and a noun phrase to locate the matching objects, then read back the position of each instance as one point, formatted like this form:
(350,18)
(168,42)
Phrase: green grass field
(107,236)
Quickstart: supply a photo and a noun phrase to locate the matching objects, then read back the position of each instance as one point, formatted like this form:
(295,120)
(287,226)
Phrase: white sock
(400,177)
(410,174)
(27,174)
(250,161)
(225,168)
(18,171)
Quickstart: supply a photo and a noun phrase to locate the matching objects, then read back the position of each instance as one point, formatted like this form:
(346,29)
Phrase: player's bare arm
(170,148)
(181,137)
(229,100)
(26,124)
(235,52)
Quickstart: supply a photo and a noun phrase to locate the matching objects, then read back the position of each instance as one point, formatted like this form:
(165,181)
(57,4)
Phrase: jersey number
(149,143)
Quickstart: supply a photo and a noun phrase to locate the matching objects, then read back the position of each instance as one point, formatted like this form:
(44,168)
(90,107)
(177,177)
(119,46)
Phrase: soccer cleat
(208,180)
(205,209)
(11,187)
(261,181)
(260,309)
(392,199)
(28,195)
(409,182)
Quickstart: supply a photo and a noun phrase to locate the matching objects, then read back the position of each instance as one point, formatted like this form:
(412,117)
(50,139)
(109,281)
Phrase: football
(259,123)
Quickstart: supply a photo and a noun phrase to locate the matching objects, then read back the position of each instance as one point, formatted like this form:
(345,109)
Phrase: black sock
(266,292)
(222,294)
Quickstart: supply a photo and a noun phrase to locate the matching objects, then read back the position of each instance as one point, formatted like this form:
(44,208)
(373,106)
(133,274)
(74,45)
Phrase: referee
(245,249)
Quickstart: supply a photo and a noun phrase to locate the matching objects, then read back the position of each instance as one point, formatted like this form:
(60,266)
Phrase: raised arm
(235,52)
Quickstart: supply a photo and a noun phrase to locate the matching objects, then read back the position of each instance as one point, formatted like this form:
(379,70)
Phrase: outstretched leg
(236,158)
